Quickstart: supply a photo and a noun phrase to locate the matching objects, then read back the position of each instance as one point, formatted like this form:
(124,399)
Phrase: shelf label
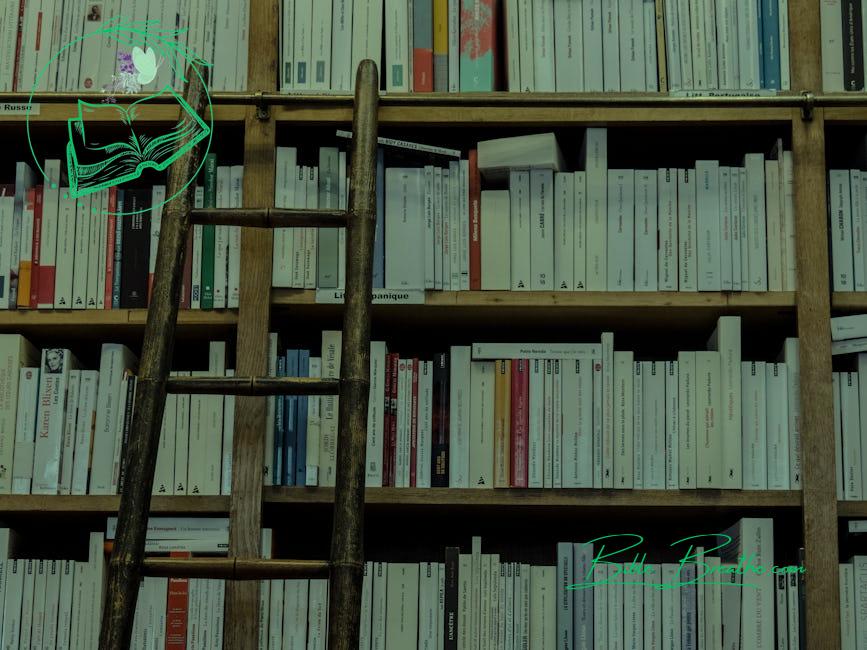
(18,108)
(380,296)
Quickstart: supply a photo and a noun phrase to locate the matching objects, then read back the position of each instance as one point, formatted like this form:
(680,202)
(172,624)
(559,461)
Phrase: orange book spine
(25,264)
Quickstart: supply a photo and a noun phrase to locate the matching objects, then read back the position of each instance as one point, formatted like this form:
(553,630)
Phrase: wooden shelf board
(442,112)
(594,309)
(577,299)
(852,114)
(27,320)
(849,300)
(852,508)
(59,113)
(37,505)
(542,498)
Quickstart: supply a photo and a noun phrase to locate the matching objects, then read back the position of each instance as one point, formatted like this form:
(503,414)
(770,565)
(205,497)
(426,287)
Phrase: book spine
(209,234)
(441,392)
(475,268)
(48,242)
(35,248)
(111,238)
(423,46)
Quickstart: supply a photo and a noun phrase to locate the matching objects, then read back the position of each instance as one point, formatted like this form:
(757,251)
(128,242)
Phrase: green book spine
(208,233)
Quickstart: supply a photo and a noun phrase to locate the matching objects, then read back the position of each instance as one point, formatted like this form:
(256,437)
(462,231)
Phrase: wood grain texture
(347,538)
(817,430)
(242,598)
(431,498)
(140,455)
(271,218)
(805,46)
(252,386)
(229,568)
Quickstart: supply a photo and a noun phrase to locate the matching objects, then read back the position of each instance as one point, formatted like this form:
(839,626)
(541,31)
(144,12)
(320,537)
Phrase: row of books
(554,415)
(853,601)
(61,45)
(710,228)
(55,603)
(848,334)
(847,217)
(850,430)
(99,251)
(843,53)
(733,45)
(541,46)
(737,598)
(64,430)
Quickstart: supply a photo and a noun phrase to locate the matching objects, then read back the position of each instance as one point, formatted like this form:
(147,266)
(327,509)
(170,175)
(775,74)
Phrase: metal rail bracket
(807,106)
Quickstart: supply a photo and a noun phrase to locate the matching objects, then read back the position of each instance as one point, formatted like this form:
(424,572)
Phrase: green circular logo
(95,165)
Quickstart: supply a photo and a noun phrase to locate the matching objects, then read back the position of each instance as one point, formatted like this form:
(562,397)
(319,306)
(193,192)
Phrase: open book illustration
(98,158)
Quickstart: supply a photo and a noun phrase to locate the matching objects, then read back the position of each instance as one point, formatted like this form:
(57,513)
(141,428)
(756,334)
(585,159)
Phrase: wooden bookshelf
(808,309)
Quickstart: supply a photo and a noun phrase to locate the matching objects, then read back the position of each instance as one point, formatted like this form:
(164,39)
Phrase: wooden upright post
(814,333)
(254,317)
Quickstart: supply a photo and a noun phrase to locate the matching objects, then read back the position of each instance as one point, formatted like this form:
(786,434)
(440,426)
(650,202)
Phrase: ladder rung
(269,217)
(252,386)
(233,568)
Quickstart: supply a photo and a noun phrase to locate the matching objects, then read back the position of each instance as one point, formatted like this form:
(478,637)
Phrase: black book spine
(136,250)
(450,620)
(127,425)
(853,46)
(440,452)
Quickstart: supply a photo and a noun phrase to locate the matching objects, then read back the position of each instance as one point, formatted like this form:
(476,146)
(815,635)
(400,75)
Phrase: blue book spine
(379,233)
(301,427)
(770,44)
(118,251)
(760,44)
(278,429)
(290,422)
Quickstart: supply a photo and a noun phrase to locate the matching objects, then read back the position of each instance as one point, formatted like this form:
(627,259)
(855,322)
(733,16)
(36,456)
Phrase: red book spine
(520,421)
(177,605)
(386,425)
(422,69)
(111,225)
(186,287)
(475,199)
(413,419)
(37,244)
(392,434)
(17,83)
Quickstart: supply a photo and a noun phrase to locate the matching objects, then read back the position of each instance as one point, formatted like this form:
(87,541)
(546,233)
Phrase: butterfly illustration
(145,62)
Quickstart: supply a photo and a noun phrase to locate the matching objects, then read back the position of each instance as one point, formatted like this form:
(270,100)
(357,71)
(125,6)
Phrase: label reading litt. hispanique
(380,296)
(18,108)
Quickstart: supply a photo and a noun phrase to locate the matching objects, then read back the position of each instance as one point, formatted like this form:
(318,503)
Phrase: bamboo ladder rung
(252,386)
(270,217)
(234,568)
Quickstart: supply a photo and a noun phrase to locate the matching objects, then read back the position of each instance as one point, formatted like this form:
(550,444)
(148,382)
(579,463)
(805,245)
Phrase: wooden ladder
(345,567)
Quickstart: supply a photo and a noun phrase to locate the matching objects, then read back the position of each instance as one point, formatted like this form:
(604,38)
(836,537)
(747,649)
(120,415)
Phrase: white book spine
(595,158)
(544,78)
(708,225)
(774,237)
(25,429)
(623,420)
(610,46)
(564,231)
(831,14)
(686,371)
(183,423)
(754,414)
(667,220)
(687,233)
(632,54)
(519,210)
(778,423)
(646,230)
(672,426)
(621,230)
(725,228)
(841,230)
(756,222)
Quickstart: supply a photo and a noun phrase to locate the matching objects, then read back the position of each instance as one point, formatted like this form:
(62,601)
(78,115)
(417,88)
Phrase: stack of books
(553,415)
(64,429)
(99,251)
(510,216)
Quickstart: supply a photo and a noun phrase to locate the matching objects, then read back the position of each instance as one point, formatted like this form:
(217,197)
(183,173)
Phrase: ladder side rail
(141,453)
(347,535)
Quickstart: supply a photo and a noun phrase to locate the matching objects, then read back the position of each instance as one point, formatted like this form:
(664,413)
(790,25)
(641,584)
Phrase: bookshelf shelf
(39,505)
(852,508)
(594,308)
(849,301)
(554,500)
(59,113)
(99,320)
